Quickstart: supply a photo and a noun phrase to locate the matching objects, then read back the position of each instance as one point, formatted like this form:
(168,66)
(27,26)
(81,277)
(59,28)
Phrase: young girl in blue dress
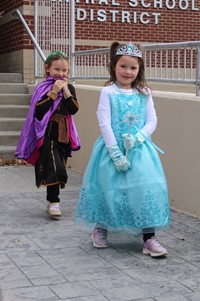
(124,186)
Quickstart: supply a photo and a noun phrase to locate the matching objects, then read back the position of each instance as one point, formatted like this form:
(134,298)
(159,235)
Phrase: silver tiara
(129,49)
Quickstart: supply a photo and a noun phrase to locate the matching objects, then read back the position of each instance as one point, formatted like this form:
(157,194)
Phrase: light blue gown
(134,201)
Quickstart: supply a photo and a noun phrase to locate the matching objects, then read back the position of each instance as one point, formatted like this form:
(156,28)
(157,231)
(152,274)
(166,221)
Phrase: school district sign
(118,14)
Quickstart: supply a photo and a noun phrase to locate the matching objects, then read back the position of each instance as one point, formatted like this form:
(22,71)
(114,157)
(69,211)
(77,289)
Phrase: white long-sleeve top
(104,115)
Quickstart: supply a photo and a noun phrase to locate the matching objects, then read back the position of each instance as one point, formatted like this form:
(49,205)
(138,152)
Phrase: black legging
(148,235)
(53,192)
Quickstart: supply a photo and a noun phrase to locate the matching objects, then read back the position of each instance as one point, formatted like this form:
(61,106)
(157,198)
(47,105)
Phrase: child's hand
(129,141)
(60,84)
(120,161)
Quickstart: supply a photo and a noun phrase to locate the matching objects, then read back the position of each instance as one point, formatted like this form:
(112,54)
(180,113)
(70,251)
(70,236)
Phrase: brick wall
(146,21)
(13,35)
(16,48)
(134,22)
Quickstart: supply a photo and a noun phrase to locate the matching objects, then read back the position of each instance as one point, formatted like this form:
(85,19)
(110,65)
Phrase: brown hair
(140,82)
(54,56)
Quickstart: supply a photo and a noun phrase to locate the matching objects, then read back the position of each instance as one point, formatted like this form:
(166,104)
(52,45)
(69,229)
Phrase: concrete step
(14,105)
(13,111)
(11,124)
(7,152)
(15,88)
(9,138)
(15,99)
(10,77)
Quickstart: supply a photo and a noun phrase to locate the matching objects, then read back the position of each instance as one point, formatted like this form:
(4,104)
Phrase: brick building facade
(97,24)
(139,20)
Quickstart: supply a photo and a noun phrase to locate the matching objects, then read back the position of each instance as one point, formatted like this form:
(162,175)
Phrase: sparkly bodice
(128,113)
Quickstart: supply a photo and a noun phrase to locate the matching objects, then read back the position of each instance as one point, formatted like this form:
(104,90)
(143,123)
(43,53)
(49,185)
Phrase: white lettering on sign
(193,5)
(145,3)
(81,14)
(113,13)
(101,15)
(158,4)
(144,18)
(183,4)
(92,15)
(130,16)
(117,16)
(133,3)
(170,4)
(106,2)
(126,17)
(103,2)
(156,15)
(89,1)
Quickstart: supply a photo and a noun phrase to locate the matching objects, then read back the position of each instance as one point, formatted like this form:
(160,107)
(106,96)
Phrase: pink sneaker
(154,248)
(99,238)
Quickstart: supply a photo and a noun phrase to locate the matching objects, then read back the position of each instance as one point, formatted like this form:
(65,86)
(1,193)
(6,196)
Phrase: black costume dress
(50,168)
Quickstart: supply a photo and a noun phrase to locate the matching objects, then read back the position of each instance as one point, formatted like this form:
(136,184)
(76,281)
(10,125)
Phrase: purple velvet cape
(33,131)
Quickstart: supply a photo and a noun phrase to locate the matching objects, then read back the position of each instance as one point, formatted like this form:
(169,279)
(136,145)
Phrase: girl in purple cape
(49,134)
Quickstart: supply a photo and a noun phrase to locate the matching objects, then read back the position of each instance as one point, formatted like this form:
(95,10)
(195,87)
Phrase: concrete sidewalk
(43,259)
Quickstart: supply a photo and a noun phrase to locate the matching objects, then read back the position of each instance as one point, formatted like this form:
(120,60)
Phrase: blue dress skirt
(134,201)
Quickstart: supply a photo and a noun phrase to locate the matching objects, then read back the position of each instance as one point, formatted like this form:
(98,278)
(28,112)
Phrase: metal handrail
(154,62)
(18,14)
